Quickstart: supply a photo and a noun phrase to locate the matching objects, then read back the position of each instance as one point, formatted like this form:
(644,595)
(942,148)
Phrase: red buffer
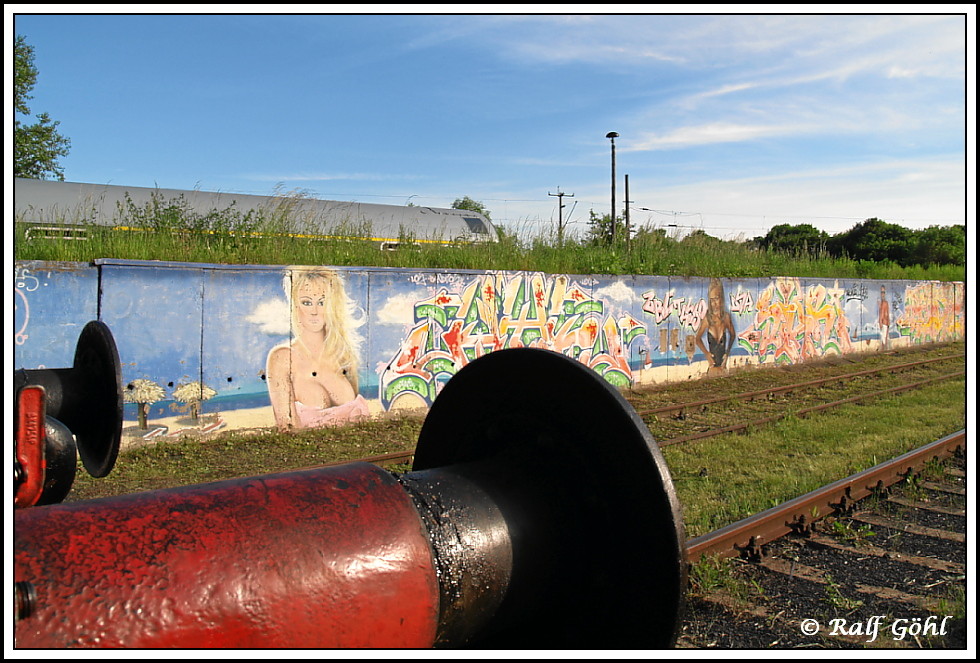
(333,557)
(539,513)
(64,414)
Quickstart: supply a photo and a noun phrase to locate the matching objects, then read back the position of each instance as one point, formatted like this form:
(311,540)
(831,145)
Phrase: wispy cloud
(712,133)
(329,177)
(762,43)
(913,192)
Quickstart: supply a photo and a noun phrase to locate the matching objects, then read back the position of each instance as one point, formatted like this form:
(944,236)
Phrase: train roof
(73,203)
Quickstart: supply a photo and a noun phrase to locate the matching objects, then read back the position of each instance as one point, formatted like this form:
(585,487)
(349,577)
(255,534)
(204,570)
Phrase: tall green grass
(795,456)
(169,230)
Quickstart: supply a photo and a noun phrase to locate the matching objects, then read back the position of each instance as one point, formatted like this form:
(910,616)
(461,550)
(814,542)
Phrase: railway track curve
(887,570)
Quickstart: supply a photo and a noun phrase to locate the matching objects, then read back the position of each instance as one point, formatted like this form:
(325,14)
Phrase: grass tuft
(795,456)
(281,235)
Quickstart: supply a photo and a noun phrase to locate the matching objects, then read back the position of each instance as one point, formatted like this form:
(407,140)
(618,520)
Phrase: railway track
(885,570)
(873,560)
(674,423)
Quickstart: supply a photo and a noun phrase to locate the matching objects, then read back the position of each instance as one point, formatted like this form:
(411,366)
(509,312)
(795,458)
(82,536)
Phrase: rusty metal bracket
(880,490)
(801,526)
(845,504)
(751,551)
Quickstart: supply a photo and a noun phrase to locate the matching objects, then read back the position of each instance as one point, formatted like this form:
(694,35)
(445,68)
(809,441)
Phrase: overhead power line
(561,226)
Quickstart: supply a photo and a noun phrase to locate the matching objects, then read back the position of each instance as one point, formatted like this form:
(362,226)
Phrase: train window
(475,225)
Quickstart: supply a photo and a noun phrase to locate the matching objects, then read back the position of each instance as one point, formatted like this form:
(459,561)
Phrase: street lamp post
(612,136)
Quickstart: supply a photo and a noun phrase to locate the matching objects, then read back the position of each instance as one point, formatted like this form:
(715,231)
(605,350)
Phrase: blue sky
(729,123)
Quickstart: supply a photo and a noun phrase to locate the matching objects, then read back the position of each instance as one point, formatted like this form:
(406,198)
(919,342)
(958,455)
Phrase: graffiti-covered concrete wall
(210,347)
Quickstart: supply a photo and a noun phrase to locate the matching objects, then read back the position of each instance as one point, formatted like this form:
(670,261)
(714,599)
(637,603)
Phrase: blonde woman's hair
(340,314)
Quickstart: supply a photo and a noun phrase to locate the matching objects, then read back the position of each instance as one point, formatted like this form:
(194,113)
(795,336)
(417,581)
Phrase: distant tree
(143,393)
(940,245)
(193,394)
(36,146)
(700,240)
(600,232)
(801,239)
(698,235)
(875,240)
(468,203)
(652,236)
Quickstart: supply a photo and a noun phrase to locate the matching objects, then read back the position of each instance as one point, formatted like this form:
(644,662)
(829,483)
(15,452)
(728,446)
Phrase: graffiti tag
(740,302)
(24,281)
(688,313)
(497,311)
(858,291)
(793,323)
(932,313)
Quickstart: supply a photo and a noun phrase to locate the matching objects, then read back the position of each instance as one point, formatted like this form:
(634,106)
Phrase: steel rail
(805,411)
(799,385)
(381,459)
(406,456)
(747,536)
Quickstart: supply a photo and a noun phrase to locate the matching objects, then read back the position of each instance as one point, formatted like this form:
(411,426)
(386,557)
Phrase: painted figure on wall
(718,327)
(313,377)
(884,317)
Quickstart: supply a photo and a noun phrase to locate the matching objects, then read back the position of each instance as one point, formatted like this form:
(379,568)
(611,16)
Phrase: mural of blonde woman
(313,377)
(717,325)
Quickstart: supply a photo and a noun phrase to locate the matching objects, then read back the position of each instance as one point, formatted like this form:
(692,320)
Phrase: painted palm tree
(193,394)
(144,393)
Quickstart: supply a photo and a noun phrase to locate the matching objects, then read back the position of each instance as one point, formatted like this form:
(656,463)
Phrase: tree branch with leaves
(37,146)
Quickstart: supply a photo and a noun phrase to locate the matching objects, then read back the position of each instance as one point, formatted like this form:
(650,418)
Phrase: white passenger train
(65,208)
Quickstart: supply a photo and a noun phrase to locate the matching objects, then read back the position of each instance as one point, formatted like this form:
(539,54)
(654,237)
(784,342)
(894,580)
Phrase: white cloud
(911,193)
(399,309)
(617,292)
(730,88)
(272,317)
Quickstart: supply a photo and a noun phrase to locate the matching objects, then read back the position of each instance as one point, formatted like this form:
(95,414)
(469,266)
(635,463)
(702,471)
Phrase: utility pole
(612,136)
(561,227)
(626,211)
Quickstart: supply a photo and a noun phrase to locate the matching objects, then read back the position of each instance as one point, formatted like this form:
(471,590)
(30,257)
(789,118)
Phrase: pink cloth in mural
(313,417)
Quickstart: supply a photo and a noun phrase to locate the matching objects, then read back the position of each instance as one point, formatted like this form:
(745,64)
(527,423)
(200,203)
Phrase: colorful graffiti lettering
(498,311)
(793,324)
(932,313)
(740,302)
(688,313)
